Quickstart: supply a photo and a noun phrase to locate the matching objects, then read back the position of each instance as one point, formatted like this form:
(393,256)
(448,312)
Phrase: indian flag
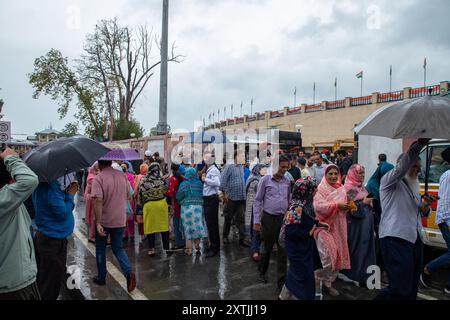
(359,75)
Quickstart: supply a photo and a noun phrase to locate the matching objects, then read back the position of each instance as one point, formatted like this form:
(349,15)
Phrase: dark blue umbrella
(57,158)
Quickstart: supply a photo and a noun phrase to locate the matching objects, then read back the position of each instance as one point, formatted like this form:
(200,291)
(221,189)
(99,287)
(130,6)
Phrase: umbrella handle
(427,169)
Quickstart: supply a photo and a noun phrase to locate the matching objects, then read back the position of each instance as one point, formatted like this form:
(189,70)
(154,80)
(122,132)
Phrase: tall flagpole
(425,73)
(295,97)
(335,89)
(362,77)
(390,79)
(314,93)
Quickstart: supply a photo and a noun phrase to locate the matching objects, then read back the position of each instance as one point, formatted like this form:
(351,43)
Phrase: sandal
(188,251)
(151,253)
(256,257)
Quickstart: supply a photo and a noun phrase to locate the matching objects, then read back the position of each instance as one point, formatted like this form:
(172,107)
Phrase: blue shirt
(247,173)
(54,217)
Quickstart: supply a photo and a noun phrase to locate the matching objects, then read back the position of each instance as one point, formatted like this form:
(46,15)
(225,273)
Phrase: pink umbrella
(122,155)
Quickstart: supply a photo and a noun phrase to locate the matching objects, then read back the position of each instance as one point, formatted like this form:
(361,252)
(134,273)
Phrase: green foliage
(105,81)
(70,130)
(124,128)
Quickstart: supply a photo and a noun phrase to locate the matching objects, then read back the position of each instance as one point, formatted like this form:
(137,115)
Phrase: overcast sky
(235,50)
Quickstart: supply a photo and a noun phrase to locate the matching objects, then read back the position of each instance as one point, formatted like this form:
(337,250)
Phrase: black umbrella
(57,158)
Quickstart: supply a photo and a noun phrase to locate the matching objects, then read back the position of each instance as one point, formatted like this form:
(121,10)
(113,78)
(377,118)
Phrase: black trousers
(28,293)
(234,209)
(165,240)
(403,261)
(211,210)
(51,257)
(377,219)
(271,226)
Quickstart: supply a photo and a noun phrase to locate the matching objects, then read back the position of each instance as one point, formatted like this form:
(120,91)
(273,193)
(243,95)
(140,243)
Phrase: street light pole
(162,127)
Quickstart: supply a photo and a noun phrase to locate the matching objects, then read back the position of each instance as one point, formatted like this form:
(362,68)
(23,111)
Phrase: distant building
(22,146)
(48,135)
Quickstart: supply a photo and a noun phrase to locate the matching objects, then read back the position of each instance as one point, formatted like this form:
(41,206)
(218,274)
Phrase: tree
(106,80)
(124,128)
(70,130)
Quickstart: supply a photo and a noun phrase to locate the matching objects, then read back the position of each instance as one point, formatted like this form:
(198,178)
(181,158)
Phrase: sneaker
(256,257)
(425,280)
(447,290)
(99,282)
(131,282)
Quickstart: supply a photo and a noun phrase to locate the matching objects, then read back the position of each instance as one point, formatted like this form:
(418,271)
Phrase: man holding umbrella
(55,164)
(400,225)
(54,203)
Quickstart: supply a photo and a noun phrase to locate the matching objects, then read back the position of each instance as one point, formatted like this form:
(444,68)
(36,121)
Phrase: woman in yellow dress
(152,202)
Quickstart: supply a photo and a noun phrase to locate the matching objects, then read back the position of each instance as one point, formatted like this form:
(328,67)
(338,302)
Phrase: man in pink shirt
(111,190)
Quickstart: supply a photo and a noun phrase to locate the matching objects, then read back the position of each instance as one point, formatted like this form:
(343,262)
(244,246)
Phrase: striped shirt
(443,208)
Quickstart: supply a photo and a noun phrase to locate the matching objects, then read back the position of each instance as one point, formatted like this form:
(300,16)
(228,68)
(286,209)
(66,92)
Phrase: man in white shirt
(310,166)
(211,184)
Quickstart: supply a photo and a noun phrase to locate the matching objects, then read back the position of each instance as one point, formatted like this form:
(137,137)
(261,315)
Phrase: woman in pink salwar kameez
(129,230)
(330,205)
(89,217)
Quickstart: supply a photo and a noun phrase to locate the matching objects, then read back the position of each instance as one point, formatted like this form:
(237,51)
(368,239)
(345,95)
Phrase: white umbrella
(427,117)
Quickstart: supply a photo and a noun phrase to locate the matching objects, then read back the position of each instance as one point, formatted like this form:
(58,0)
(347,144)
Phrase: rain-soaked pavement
(230,276)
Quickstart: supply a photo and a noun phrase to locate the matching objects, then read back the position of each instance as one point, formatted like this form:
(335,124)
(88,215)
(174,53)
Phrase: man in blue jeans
(111,191)
(443,221)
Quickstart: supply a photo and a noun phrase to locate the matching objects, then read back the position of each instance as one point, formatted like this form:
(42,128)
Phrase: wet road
(230,276)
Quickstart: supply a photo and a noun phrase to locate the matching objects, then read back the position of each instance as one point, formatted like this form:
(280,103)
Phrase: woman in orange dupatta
(330,205)
(89,217)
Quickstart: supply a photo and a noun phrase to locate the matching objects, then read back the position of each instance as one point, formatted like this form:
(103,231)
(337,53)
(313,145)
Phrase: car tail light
(424,222)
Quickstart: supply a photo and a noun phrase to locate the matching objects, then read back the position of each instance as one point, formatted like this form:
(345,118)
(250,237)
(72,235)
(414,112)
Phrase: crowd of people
(313,211)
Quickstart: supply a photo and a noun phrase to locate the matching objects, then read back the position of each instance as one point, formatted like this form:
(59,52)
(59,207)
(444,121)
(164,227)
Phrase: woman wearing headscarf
(174,183)
(298,227)
(330,205)
(143,170)
(152,200)
(258,171)
(361,234)
(190,197)
(89,218)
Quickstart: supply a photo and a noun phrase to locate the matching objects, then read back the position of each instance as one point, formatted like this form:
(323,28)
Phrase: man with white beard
(400,225)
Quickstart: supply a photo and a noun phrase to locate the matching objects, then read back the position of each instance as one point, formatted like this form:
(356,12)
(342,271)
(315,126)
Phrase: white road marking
(112,270)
